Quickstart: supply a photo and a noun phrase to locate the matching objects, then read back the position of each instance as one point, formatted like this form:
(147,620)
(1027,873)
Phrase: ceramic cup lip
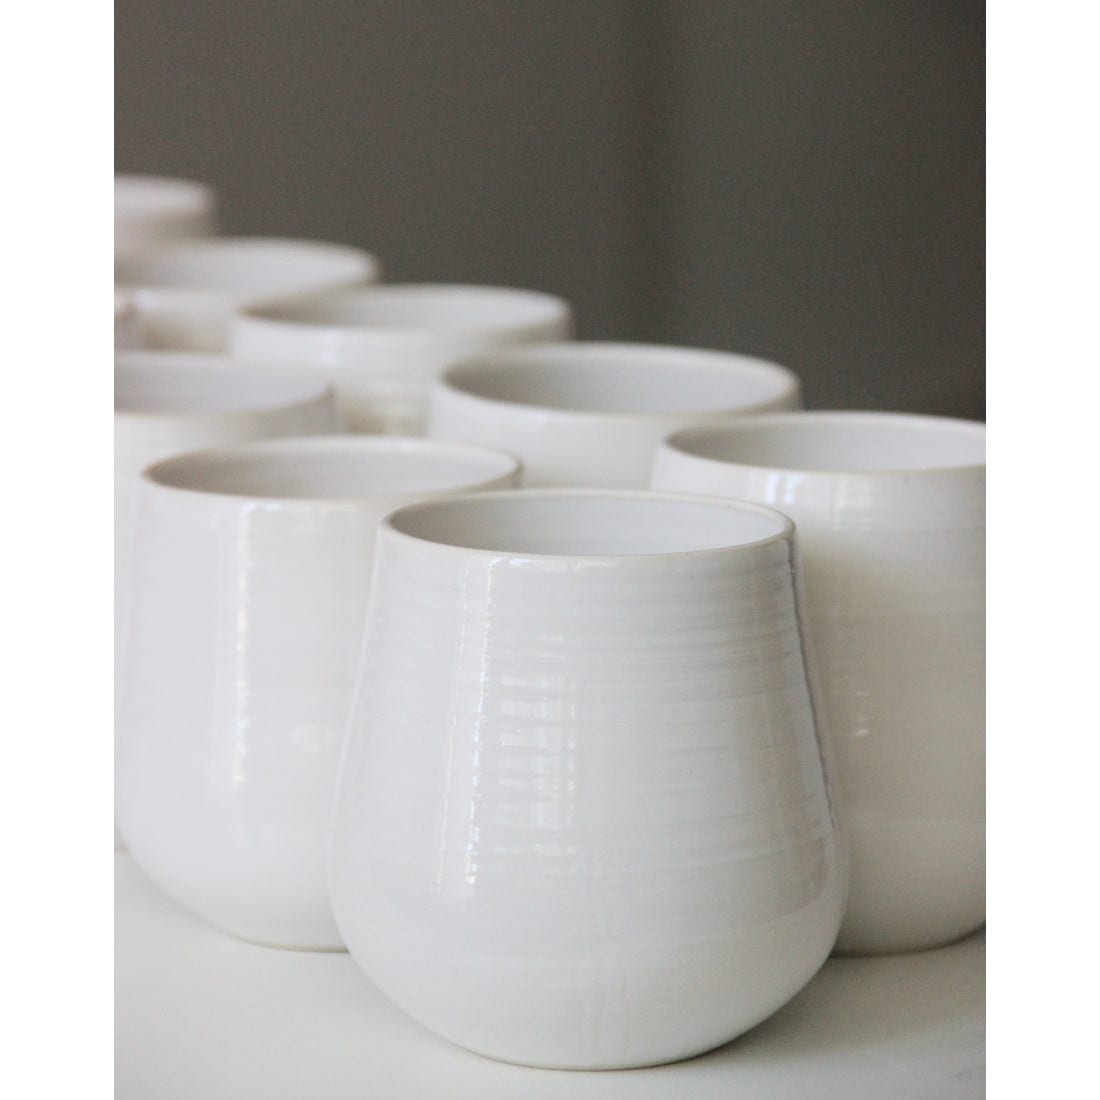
(145,198)
(412,310)
(254,266)
(499,526)
(778,442)
(170,387)
(605,380)
(304,471)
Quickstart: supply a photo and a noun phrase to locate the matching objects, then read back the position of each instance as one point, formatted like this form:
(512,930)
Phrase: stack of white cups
(589,693)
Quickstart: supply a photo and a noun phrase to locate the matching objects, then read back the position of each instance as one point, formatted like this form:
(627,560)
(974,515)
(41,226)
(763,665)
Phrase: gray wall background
(799,180)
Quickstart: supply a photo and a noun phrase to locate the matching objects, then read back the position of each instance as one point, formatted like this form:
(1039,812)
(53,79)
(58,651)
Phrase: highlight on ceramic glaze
(251,572)
(185,292)
(582,819)
(152,209)
(593,414)
(381,347)
(890,511)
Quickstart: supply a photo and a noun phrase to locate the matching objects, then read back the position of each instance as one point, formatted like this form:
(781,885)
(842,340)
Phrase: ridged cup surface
(250,584)
(581,819)
(383,346)
(592,414)
(890,512)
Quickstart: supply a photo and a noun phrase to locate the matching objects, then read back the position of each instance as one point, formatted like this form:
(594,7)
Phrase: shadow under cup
(890,511)
(251,573)
(582,819)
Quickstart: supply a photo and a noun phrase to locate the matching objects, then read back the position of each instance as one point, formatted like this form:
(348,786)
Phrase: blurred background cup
(890,511)
(381,347)
(153,209)
(126,338)
(593,414)
(169,402)
(581,817)
(250,585)
(185,292)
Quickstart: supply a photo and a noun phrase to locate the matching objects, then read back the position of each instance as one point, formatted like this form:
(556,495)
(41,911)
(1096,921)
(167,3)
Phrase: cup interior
(589,524)
(335,468)
(622,378)
(256,265)
(425,307)
(192,384)
(839,442)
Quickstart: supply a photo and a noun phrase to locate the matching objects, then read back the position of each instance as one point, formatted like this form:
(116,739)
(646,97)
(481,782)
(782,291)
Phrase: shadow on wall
(799,181)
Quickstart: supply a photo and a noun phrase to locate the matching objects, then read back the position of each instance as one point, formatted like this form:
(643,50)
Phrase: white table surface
(201,1015)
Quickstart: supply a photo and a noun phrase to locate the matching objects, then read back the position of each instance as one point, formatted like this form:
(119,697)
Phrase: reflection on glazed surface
(245,633)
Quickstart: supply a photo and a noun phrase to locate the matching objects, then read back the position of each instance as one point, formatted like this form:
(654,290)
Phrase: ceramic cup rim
(501,468)
(594,355)
(687,442)
(391,525)
(294,315)
(141,270)
(302,388)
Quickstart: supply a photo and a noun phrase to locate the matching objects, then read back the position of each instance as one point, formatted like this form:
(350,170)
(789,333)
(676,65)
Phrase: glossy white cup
(186,292)
(581,818)
(593,414)
(890,511)
(251,576)
(381,347)
(152,209)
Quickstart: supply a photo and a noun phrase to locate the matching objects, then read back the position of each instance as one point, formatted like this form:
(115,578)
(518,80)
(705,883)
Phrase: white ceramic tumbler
(186,292)
(152,209)
(251,575)
(381,347)
(890,511)
(581,818)
(593,414)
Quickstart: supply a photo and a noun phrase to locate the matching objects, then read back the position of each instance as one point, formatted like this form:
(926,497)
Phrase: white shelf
(205,1017)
